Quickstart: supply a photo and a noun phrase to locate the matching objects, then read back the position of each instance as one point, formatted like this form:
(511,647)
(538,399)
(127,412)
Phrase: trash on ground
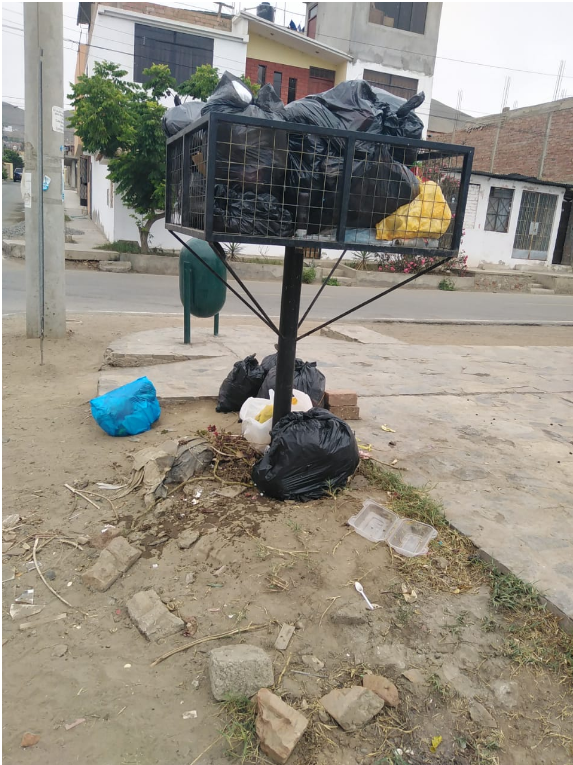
(410,595)
(230,492)
(257,417)
(359,588)
(26,597)
(311,455)
(22,610)
(307,379)
(242,382)
(128,410)
(111,486)
(378,524)
(75,723)
(10,521)
(386,429)
(436,741)
(284,636)
(191,715)
(8,573)
(29,739)
(40,622)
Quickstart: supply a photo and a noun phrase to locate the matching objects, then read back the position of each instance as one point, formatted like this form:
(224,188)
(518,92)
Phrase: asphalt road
(12,204)
(94,291)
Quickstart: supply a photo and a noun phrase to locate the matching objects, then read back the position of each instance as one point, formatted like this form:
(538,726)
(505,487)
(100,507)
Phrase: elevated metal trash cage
(232,178)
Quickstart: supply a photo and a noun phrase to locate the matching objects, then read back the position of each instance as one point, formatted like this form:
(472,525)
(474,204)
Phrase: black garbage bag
(178,117)
(307,379)
(252,157)
(269,362)
(396,117)
(242,382)
(250,214)
(311,454)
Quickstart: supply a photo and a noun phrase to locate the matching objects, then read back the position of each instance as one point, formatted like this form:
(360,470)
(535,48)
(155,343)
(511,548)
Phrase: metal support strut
(288,327)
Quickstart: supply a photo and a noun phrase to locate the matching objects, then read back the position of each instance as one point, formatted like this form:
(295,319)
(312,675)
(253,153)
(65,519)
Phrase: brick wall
(178,14)
(299,73)
(520,144)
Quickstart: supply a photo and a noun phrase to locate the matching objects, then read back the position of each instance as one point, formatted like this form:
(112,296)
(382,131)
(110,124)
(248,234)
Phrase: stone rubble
(352,708)
(278,726)
(239,670)
(151,617)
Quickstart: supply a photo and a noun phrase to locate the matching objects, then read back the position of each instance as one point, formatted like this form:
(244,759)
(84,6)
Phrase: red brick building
(535,141)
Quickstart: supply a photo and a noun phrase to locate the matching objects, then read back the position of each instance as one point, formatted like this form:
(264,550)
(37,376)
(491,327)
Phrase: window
(311,21)
(183,53)
(410,17)
(323,74)
(278,83)
(405,87)
(291,90)
(498,210)
(262,74)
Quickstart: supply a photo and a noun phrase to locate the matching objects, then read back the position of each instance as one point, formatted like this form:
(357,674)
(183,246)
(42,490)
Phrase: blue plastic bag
(128,410)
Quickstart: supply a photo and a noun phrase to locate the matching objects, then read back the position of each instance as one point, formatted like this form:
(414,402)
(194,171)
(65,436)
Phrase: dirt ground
(284,562)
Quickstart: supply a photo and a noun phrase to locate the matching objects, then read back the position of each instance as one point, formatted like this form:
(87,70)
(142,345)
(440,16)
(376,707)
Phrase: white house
(511,220)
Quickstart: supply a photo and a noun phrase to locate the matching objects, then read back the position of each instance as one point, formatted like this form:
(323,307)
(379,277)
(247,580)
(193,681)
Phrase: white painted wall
(112,39)
(101,212)
(230,55)
(497,248)
(355,71)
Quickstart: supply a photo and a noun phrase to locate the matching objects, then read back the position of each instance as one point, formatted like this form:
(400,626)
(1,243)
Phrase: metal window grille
(498,210)
(241,179)
(322,74)
(534,225)
(405,87)
(262,74)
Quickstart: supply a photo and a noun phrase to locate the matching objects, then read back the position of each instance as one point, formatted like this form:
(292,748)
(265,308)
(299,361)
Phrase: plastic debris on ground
(257,417)
(242,382)
(311,455)
(378,524)
(128,410)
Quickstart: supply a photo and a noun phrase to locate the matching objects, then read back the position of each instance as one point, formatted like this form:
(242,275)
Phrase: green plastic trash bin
(207,292)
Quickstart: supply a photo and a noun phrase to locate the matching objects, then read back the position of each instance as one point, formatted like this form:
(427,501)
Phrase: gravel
(18,231)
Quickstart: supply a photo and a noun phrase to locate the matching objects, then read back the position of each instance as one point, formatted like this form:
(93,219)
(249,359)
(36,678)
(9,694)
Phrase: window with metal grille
(181,52)
(411,17)
(291,89)
(405,87)
(262,74)
(323,74)
(498,210)
(278,83)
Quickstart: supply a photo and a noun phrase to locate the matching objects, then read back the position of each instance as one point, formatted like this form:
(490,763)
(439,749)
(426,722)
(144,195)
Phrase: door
(534,226)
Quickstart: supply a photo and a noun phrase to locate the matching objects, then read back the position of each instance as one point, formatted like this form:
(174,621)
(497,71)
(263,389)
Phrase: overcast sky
(481,44)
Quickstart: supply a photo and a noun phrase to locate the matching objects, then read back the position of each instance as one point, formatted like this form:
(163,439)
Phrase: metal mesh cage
(241,179)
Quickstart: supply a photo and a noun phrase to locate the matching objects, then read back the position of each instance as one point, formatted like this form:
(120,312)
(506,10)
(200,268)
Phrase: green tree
(121,121)
(11,156)
(201,84)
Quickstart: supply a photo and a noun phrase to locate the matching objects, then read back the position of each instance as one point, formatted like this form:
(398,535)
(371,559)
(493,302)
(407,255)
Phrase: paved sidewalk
(91,236)
(490,429)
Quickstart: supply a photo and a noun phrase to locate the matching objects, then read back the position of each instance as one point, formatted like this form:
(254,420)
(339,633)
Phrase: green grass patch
(239,729)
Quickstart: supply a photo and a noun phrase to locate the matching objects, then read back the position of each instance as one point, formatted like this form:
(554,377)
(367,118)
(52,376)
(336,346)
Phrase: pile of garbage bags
(280,183)
(307,454)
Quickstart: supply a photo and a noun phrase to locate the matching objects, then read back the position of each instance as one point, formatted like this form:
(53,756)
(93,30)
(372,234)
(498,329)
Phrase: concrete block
(279,726)
(340,398)
(346,412)
(116,267)
(151,617)
(239,670)
(352,707)
(187,538)
(124,554)
(103,573)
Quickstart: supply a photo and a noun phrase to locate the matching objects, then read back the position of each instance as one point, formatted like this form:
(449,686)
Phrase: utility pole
(43,178)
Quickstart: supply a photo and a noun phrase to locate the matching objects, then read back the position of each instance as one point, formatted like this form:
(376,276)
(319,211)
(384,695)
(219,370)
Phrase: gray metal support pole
(45,234)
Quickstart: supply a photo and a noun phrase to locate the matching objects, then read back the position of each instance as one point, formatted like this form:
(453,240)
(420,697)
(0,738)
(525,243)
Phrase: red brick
(346,412)
(340,398)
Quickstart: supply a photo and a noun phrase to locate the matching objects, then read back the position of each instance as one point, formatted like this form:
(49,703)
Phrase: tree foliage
(122,121)
(201,84)
(11,156)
